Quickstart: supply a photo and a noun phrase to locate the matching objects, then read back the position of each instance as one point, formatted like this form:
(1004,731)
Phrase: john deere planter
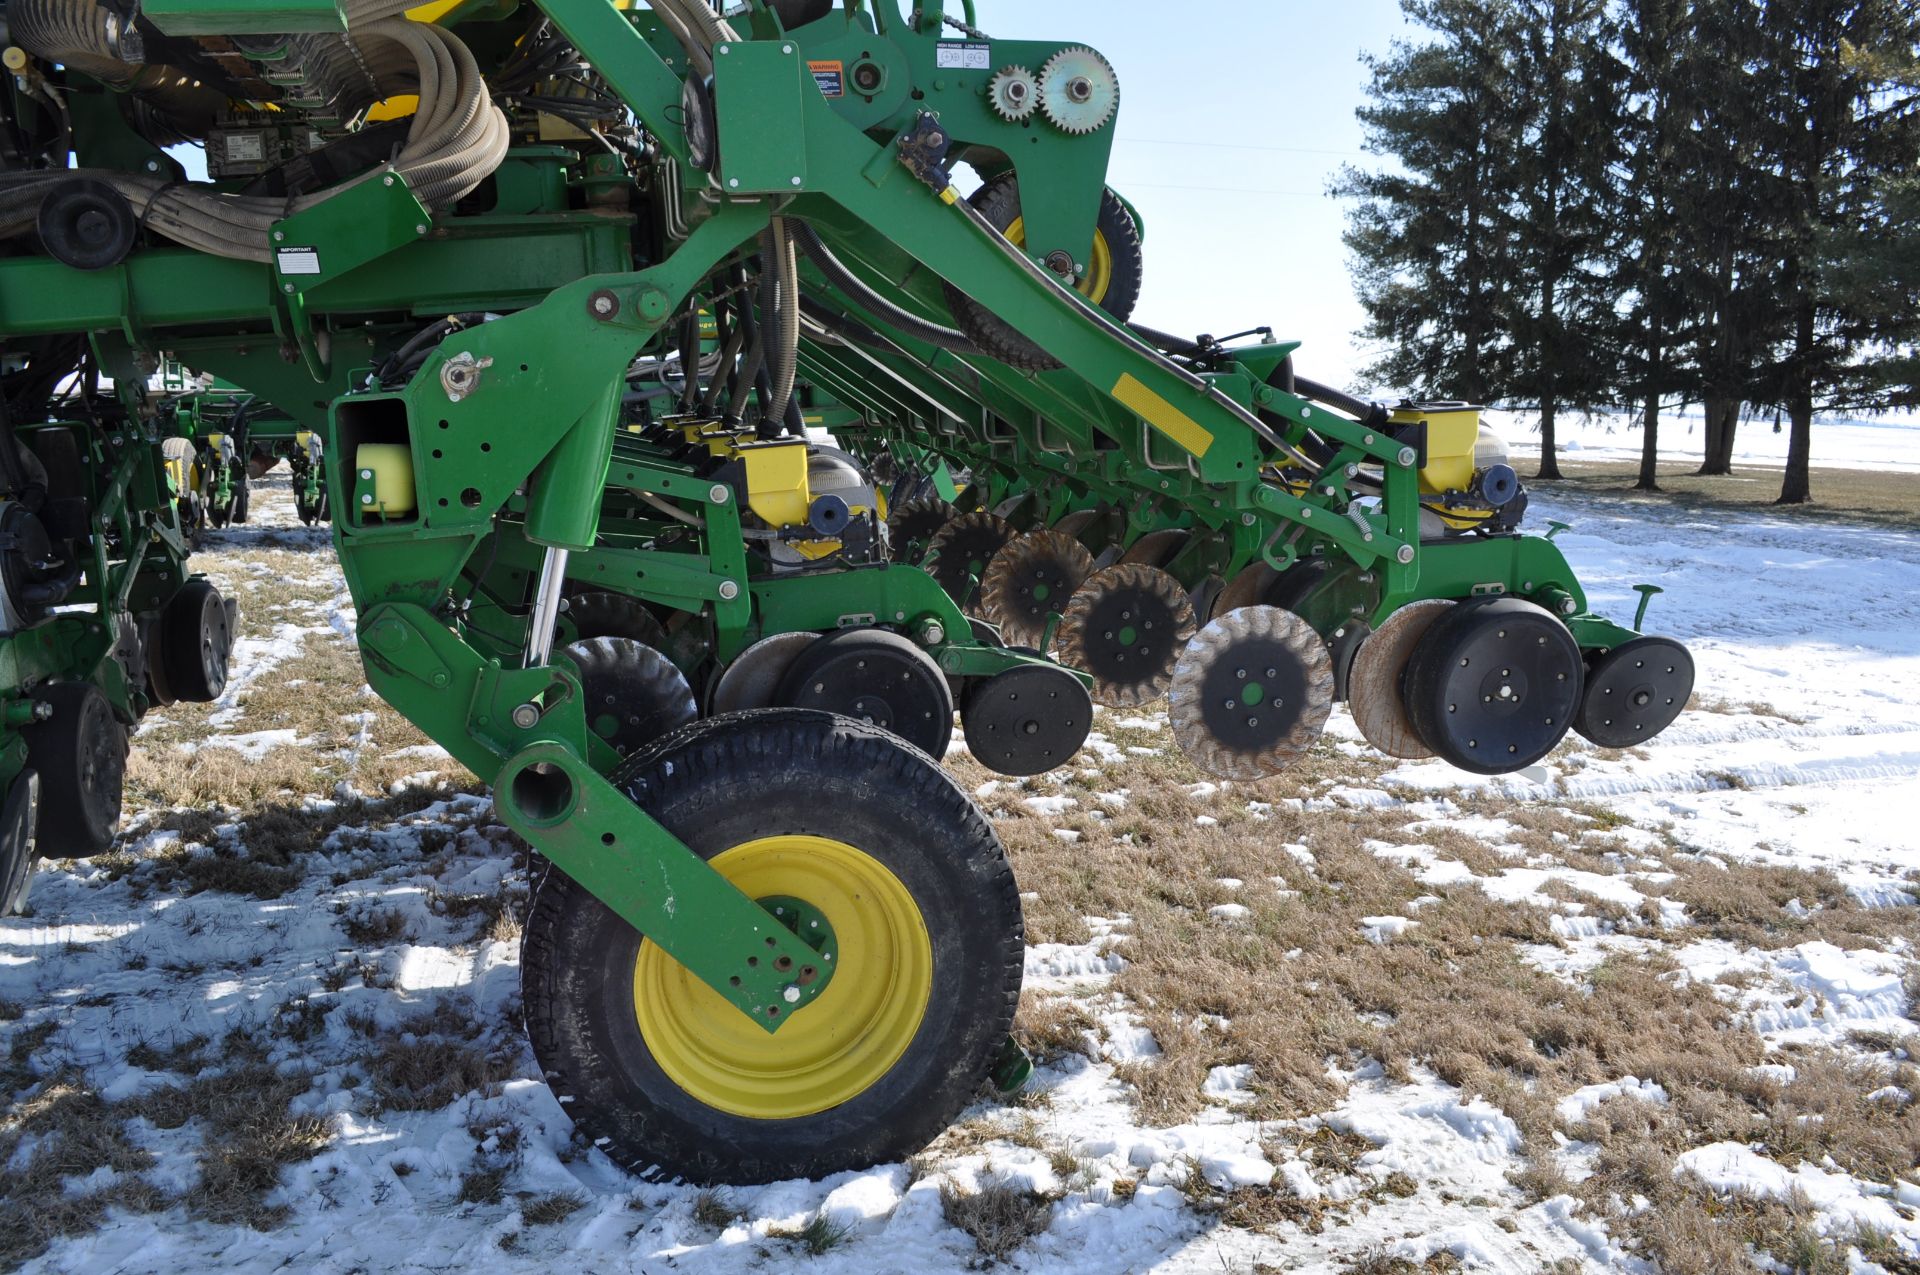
(695,445)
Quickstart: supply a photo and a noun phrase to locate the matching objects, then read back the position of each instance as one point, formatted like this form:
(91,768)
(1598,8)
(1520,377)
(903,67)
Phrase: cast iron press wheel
(869,837)
(592,613)
(1251,693)
(911,525)
(196,638)
(80,754)
(1634,692)
(960,552)
(1127,626)
(634,694)
(1494,685)
(1375,685)
(1027,720)
(1114,268)
(1031,579)
(878,677)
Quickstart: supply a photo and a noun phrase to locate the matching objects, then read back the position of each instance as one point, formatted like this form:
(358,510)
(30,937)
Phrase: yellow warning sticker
(1162,415)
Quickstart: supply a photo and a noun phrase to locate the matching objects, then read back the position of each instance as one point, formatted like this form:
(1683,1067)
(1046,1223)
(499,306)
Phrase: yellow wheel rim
(1098,276)
(829,1051)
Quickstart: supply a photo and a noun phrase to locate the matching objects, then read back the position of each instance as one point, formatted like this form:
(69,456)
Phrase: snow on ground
(1884,443)
(1804,751)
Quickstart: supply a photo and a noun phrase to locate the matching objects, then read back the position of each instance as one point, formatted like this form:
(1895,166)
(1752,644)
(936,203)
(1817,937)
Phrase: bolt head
(791,995)
(1406,553)
(729,590)
(1407,457)
(526,716)
(719,494)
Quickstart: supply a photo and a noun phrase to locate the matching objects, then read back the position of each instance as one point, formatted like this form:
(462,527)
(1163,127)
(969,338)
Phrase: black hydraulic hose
(729,356)
(950,339)
(1372,415)
(843,327)
(1167,342)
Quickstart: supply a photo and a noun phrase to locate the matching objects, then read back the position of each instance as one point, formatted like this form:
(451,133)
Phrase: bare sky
(1234,114)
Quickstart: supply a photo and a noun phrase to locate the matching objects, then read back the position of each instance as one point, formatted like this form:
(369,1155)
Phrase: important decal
(298,260)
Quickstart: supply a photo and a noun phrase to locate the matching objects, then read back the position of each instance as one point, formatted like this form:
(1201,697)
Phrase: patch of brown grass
(998,1215)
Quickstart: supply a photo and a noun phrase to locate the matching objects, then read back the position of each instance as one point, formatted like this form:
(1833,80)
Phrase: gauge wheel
(1494,684)
(1111,279)
(80,753)
(822,818)
(196,640)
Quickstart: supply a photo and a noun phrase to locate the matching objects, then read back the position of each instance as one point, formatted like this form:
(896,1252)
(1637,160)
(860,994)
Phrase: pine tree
(1656,40)
(1845,137)
(1570,129)
(1432,240)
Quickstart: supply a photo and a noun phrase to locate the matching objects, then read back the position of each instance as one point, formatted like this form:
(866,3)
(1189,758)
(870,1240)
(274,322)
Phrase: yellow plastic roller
(385,472)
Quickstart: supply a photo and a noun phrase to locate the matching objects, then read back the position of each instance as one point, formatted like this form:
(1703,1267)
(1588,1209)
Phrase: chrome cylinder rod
(546,608)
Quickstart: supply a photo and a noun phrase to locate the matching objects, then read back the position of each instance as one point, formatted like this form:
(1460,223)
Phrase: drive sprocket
(1030,580)
(1079,91)
(1014,93)
(1251,693)
(1127,626)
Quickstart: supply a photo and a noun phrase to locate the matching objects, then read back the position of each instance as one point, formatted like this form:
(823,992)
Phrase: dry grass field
(1343,1020)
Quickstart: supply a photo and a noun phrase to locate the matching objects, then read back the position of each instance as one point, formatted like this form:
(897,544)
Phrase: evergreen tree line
(1647,204)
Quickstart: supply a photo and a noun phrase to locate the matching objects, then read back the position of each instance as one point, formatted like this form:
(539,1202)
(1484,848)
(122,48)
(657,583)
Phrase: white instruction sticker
(245,148)
(956,56)
(298,260)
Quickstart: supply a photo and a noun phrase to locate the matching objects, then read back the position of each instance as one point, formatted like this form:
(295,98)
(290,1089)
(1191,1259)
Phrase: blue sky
(1234,114)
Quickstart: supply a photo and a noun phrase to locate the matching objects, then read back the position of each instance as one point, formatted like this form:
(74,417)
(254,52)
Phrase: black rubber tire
(195,640)
(919,712)
(595,613)
(1440,679)
(18,851)
(999,202)
(634,694)
(718,784)
(242,498)
(80,753)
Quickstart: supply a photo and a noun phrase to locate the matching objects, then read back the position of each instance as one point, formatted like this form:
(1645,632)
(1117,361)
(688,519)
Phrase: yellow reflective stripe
(1162,415)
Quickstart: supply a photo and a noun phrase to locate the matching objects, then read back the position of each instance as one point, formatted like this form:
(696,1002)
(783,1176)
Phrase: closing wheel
(960,552)
(1030,580)
(633,694)
(1027,720)
(1634,692)
(829,821)
(80,753)
(877,677)
(911,525)
(18,848)
(1251,693)
(1494,685)
(1127,626)
(196,638)
(1375,686)
(592,613)
(754,677)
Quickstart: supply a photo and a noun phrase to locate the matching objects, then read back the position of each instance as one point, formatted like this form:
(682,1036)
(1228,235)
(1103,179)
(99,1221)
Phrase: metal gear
(632,693)
(1078,90)
(1379,668)
(1014,93)
(1127,625)
(1029,580)
(1251,693)
(960,553)
(1027,720)
(1634,692)
(912,523)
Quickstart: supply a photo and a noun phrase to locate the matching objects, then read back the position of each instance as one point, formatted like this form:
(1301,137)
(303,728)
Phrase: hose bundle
(456,138)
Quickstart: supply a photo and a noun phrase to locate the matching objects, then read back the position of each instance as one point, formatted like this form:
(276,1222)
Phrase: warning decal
(831,77)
